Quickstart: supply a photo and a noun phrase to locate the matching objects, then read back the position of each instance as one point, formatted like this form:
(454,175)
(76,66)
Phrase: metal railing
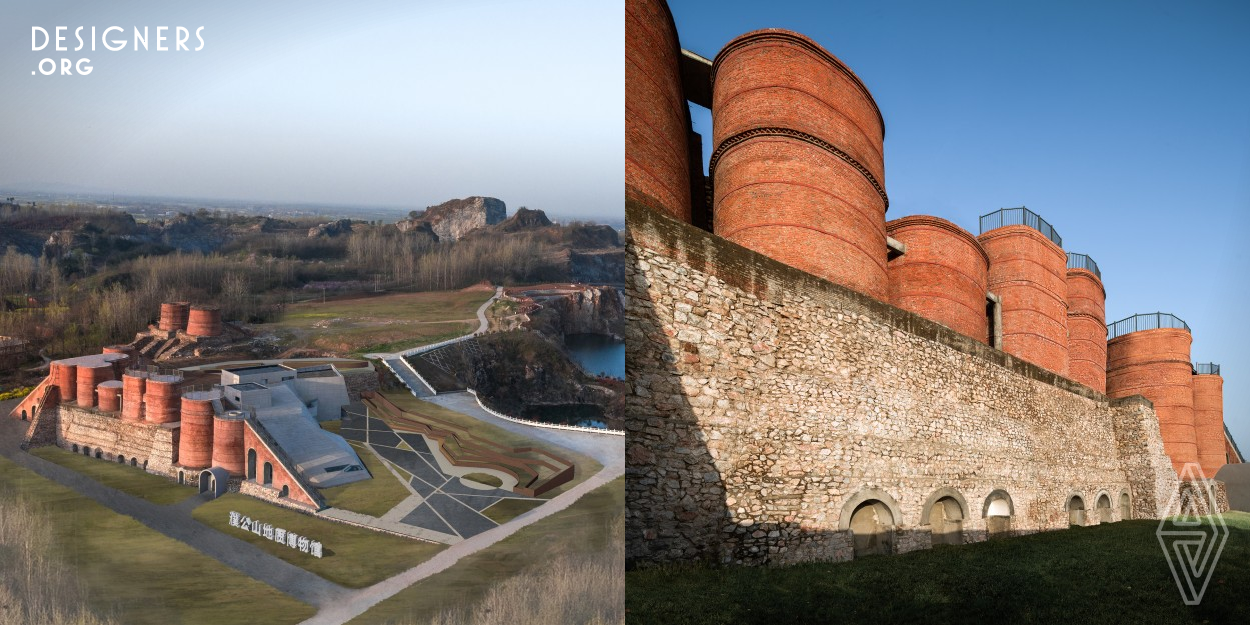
(1020,217)
(1083,261)
(1206,368)
(1149,321)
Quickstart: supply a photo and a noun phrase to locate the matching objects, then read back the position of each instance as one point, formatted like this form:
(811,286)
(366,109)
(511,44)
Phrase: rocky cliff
(453,219)
(586,310)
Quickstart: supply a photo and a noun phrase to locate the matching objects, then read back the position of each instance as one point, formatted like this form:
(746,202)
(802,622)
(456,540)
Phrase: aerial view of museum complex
(357,452)
(816,383)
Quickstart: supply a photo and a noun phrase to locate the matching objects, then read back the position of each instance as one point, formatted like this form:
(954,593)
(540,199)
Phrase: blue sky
(1124,124)
(390,103)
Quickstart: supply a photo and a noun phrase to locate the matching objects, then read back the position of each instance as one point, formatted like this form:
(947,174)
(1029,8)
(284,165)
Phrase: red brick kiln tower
(228,452)
(65,377)
(195,441)
(110,395)
(204,321)
(89,378)
(174,316)
(798,171)
(657,122)
(1209,418)
(943,276)
(133,386)
(1028,273)
(1153,361)
(1087,323)
(161,398)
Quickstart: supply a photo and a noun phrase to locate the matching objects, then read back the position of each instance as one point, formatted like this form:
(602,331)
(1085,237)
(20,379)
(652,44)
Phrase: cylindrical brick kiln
(657,122)
(1209,421)
(798,169)
(195,440)
(90,377)
(110,395)
(174,316)
(228,442)
(943,276)
(65,377)
(133,385)
(1087,324)
(122,356)
(204,321)
(1154,363)
(162,399)
(1028,273)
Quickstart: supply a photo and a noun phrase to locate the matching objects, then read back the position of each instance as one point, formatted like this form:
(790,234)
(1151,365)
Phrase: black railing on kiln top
(1149,321)
(1083,261)
(1020,217)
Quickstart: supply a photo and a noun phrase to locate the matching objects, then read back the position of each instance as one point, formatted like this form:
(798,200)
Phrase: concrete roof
(311,448)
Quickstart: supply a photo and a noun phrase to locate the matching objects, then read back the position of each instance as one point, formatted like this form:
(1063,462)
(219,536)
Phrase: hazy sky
(397,103)
(1126,125)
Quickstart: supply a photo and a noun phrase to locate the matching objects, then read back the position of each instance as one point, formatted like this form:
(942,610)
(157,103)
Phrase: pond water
(597,354)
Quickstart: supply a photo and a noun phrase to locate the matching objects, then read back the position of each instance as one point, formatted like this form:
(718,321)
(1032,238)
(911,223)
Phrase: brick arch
(939,494)
(865,495)
(996,495)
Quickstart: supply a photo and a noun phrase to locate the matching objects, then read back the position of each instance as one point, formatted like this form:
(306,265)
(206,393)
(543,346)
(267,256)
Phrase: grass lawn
(332,426)
(585,466)
(372,497)
(507,509)
(141,575)
(355,557)
(123,477)
(483,478)
(1112,573)
(583,527)
(385,323)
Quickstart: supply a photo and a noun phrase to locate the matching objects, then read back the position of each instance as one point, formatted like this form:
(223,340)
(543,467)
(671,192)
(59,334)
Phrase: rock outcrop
(332,229)
(453,219)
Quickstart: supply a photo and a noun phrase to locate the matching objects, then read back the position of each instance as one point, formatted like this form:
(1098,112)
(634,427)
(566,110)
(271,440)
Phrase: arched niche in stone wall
(1076,509)
(871,516)
(944,512)
(1102,505)
(1126,506)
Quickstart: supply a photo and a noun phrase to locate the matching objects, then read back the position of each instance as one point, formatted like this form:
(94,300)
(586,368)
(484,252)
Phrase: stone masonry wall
(768,403)
(153,444)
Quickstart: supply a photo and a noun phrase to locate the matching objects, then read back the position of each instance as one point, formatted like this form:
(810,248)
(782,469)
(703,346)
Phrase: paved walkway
(176,522)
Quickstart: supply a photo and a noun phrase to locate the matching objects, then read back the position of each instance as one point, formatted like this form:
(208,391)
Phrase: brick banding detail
(774,131)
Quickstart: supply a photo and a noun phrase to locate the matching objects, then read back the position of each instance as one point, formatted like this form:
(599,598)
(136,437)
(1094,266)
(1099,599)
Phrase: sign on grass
(276,534)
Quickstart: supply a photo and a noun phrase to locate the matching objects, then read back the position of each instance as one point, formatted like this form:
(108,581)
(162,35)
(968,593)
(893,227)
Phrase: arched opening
(268,473)
(1103,507)
(135,463)
(944,513)
(182,479)
(998,511)
(75,448)
(206,479)
(145,465)
(285,491)
(23,415)
(121,459)
(872,528)
(98,454)
(1076,510)
(86,451)
(1126,508)
(251,464)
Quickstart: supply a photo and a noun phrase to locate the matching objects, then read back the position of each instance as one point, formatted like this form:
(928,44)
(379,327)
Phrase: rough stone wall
(360,380)
(154,444)
(765,400)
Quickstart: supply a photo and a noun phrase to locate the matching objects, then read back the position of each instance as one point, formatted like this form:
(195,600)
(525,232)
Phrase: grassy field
(508,509)
(354,557)
(123,477)
(483,478)
(583,529)
(585,465)
(1112,573)
(372,497)
(384,323)
(137,573)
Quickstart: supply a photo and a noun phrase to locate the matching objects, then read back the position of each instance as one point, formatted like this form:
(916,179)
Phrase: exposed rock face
(455,218)
(525,219)
(590,310)
(332,229)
